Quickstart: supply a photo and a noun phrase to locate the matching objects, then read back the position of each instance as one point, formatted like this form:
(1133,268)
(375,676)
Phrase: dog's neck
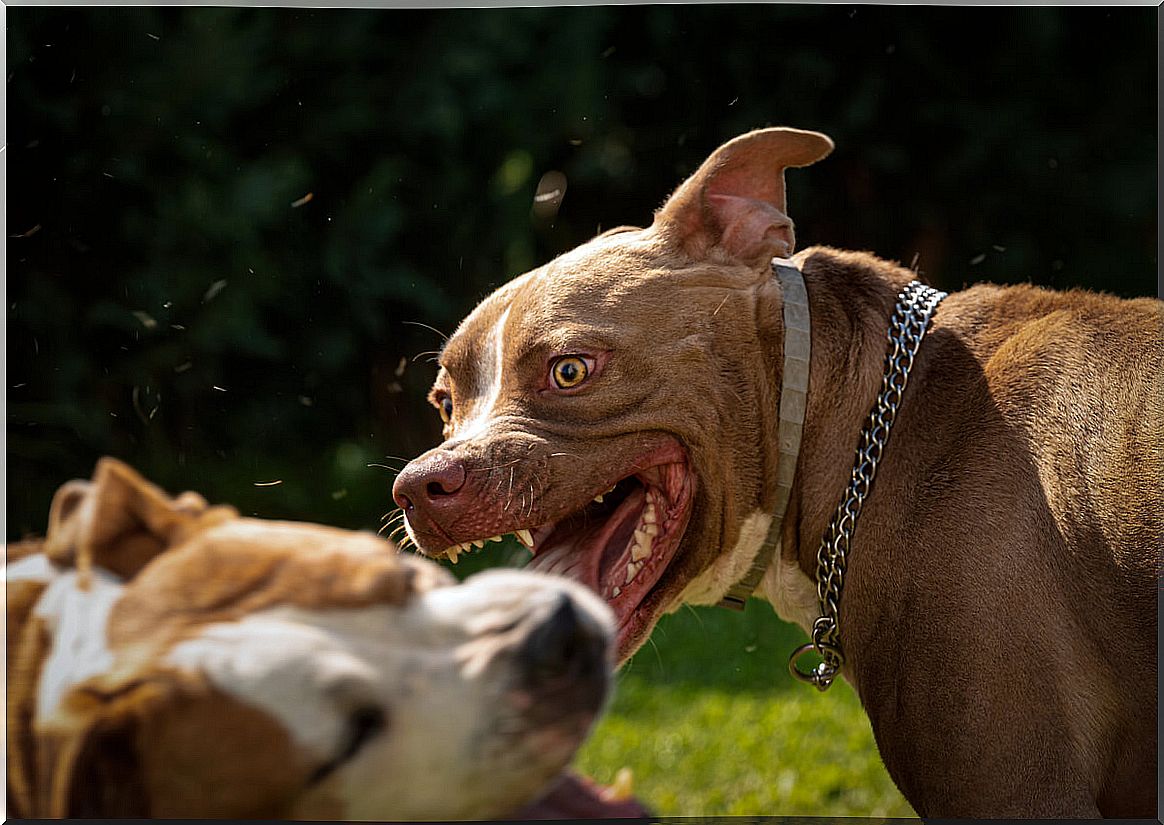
(851,298)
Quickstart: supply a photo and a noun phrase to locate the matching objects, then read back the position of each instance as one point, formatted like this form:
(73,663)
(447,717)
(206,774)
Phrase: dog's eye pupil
(446,409)
(569,372)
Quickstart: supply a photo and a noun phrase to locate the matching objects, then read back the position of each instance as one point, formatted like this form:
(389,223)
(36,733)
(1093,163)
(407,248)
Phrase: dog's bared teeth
(632,570)
(525,537)
(623,786)
(616,591)
(649,513)
(478,543)
(452,553)
(598,498)
(494,538)
(640,550)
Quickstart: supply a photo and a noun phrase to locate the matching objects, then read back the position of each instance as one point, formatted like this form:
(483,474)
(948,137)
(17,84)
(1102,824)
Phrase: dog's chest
(791,593)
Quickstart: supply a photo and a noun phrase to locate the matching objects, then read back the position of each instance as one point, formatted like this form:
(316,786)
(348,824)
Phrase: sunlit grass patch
(711,724)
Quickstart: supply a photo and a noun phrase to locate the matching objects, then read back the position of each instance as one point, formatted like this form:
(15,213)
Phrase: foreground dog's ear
(119,521)
(735,201)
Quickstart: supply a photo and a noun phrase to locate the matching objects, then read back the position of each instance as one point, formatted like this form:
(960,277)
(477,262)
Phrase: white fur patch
(77,619)
(488,376)
(711,585)
(791,593)
(36,568)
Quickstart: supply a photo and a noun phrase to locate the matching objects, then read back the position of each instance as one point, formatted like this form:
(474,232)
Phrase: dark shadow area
(229,230)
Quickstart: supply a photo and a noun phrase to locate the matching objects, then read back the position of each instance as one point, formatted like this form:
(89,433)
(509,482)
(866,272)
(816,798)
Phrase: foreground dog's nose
(567,644)
(429,481)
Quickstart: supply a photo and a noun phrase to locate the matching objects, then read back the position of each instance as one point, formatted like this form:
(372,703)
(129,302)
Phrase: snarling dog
(169,659)
(657,415)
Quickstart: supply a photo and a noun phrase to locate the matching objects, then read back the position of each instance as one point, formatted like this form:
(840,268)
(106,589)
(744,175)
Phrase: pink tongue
(573,796)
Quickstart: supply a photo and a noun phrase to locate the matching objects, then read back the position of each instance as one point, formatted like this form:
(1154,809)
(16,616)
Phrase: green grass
(711,724)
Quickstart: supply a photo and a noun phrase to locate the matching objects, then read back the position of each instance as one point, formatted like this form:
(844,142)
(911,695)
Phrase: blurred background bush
(229,229)
(235,237)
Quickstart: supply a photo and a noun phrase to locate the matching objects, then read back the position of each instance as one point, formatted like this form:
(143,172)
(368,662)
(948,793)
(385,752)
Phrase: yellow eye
(446,409)
(569,371)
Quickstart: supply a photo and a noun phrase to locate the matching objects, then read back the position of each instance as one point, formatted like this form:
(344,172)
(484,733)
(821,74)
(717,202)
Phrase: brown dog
(170,659)
(617,409)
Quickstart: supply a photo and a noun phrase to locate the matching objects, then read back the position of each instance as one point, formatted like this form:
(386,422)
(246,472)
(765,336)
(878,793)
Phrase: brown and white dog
(169,659)
(616,408)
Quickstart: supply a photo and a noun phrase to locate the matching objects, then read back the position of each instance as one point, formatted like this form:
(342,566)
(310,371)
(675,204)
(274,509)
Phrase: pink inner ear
(751,230)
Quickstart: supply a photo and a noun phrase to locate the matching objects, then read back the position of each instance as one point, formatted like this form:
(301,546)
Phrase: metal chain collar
(911,318)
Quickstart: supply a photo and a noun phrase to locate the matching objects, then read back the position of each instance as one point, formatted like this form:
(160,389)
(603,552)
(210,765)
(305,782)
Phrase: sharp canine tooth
(525,537)
(640,551)
(598,498)
(452,553)
(651,529)
(617,590)
(478,543)
(495,538)
(632,570)
(622,787)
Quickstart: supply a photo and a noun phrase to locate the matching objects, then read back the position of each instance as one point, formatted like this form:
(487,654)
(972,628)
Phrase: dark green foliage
(158,152)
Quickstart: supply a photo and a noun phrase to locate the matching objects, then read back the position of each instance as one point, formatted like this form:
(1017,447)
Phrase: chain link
(911,318)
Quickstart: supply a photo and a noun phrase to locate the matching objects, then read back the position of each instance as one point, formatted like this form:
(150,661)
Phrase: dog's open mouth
(621,538)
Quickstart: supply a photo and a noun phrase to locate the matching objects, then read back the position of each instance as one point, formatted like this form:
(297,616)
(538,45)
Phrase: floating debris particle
(27,234)
(401,366)
(302,201)
(977,259)
(213,291)
(306,401)
(216,387)
(183,367)
(998,248)
(145,319)
(268,483)
(154,36)
(336,495)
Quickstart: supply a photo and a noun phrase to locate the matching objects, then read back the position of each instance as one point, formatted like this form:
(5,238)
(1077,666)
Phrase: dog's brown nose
(429,482)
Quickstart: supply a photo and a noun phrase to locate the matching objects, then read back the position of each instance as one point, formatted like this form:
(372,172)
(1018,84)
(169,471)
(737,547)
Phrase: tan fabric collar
(793,401)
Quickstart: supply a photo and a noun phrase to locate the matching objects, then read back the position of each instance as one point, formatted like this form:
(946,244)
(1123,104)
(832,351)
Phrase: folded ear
(120,521)
(735,201)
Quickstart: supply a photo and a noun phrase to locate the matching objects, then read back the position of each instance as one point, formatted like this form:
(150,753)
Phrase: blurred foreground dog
(672,415)
(169,659)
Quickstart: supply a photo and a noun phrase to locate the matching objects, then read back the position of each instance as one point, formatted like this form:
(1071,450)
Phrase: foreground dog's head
(171,659)
(610,401)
